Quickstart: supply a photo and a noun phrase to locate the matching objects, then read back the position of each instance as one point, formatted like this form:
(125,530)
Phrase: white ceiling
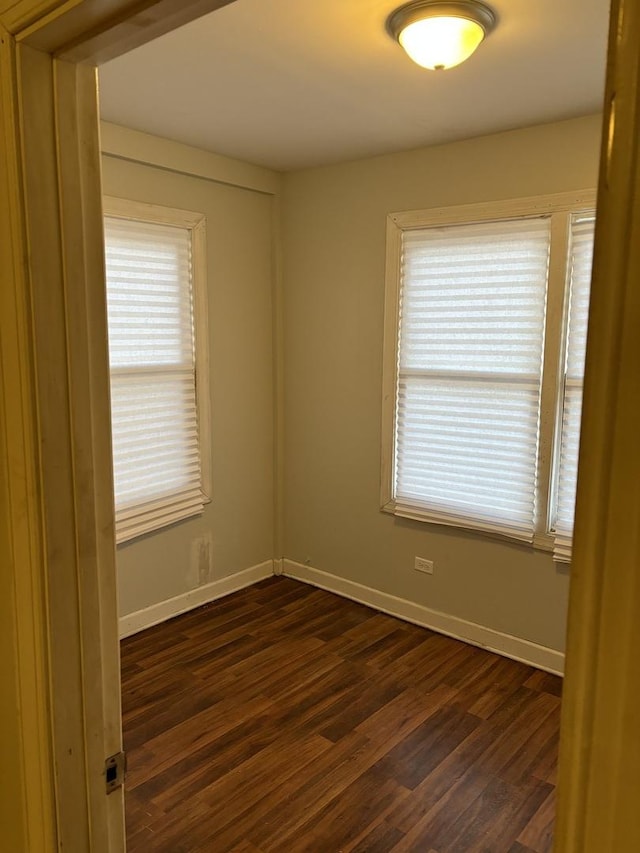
(295,83)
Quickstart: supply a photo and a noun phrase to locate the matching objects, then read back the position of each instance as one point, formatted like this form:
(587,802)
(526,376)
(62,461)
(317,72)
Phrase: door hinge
(115,768)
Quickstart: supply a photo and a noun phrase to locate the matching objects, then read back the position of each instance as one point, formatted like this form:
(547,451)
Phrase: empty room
(336,375)
(288,716)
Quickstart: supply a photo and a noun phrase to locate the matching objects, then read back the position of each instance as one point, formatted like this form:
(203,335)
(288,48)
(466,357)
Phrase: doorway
(59,161)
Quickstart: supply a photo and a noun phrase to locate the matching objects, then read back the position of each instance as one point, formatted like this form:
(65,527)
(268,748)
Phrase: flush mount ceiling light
(439,35)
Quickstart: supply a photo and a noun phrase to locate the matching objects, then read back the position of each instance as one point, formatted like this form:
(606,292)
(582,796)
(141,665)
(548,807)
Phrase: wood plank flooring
(285,719)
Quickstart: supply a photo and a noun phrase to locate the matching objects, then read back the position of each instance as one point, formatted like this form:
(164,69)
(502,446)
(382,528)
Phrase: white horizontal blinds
(580,258)
(153,395)
(470,361)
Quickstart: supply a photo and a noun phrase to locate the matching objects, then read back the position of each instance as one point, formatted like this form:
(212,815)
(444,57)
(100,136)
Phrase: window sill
(539,541)
(133,524)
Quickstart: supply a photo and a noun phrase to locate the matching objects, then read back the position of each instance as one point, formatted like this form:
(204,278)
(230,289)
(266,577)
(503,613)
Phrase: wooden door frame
(61,717)
(599,783)
(58,611)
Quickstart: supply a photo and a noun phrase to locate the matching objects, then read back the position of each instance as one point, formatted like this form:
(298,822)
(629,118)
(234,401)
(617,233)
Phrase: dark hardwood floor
(284,718)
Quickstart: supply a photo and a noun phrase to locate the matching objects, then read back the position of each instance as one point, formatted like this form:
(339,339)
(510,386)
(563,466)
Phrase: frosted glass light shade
(439,43)
(438,34)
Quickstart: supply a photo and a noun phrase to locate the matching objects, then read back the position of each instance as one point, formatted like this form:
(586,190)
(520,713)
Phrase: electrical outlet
(422,565)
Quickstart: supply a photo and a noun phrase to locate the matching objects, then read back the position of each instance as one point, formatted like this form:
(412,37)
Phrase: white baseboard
(141,619)
(507,645)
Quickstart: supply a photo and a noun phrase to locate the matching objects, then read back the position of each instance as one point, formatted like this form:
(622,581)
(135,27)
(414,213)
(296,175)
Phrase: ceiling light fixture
(439,35)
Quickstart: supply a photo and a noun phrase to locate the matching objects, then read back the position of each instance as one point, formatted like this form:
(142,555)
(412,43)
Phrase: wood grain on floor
(285,719)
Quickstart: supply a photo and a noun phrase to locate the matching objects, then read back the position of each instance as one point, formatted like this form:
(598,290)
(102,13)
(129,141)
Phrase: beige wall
(334,232)
(238,523)
(334,254)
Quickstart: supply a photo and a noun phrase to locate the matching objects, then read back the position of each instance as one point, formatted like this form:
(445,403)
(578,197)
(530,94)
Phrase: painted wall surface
(235,530)
(334,261)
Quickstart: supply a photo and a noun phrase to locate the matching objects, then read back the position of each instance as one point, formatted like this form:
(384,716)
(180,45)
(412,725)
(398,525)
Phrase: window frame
(559,556)
(559,207)
(195,223)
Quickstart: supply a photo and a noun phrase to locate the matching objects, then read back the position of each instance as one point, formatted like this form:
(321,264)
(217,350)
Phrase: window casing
(476,367)
(565,470)
(158,356)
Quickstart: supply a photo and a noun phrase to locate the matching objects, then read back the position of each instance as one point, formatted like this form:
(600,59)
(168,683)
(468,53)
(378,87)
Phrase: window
(486,316)
(157,319)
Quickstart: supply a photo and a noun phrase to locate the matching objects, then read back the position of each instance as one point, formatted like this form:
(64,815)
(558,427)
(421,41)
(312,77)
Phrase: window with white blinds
(470,366)
(473,307)
(158,476)
(566,474)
